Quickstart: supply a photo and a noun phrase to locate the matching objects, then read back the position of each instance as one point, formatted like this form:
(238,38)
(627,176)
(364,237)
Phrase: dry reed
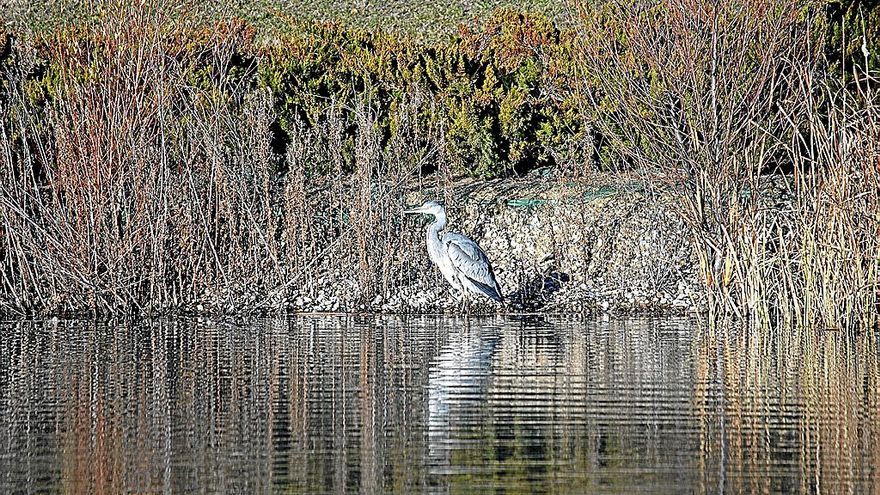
(149,186)
(733,103)
(149,180)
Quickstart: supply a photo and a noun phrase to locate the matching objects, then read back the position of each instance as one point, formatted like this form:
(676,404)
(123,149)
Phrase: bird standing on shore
(460,259)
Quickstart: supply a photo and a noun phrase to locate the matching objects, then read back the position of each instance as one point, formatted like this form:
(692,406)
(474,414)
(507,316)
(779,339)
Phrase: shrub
(720,98)
(500,91)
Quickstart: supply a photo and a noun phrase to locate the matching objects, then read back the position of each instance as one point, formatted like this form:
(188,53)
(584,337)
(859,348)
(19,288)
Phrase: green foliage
(852,43)
(498,91)
(504,95)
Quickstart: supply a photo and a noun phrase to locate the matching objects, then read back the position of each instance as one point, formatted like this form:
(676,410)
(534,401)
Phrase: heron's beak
(417,209)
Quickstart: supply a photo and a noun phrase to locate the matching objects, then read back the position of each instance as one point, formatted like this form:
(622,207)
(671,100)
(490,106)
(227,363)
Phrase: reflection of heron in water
(458,381)
(460,259)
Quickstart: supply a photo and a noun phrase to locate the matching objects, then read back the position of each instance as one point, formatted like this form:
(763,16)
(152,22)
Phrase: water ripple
(435,405)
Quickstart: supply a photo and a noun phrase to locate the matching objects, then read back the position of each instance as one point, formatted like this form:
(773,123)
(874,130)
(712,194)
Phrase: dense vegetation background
(158,156)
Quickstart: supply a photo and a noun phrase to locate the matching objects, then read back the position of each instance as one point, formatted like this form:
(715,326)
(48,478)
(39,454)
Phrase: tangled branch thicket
(148,164)
(145,185)
(778,159)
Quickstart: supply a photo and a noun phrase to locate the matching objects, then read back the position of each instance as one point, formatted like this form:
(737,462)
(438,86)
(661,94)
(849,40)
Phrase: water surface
(435,405)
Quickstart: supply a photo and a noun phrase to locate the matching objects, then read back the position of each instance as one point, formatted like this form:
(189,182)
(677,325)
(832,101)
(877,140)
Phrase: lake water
(435,405)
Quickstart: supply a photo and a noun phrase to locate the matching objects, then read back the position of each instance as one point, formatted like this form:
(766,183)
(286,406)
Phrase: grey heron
(461,261)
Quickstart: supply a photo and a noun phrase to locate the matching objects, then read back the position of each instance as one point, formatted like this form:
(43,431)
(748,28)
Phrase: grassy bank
(154,159)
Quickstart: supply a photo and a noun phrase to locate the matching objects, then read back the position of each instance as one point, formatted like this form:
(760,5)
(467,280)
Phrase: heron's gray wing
(469,260)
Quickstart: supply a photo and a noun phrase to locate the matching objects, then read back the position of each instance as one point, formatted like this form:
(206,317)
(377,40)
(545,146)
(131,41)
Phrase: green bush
(499,91)
(504,96)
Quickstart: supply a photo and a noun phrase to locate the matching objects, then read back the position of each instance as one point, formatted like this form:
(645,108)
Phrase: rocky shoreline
(556,248)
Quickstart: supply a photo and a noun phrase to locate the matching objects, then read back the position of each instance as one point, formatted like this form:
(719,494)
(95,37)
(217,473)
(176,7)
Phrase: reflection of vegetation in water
(821,418)
(328,405)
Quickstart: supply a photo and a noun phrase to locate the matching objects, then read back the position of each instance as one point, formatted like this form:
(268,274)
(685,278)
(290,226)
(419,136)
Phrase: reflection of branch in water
(457,383)
(809,432)
(521,405)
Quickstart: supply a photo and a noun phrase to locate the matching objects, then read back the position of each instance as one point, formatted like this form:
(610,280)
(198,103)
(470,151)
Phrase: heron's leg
(462,301)
(456,295)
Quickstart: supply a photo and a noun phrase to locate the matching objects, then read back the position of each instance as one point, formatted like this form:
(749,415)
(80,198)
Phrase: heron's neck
(435,245)
(438,225)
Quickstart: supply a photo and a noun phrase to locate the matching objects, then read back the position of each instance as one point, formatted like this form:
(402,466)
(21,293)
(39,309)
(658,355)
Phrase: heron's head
(428,208)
